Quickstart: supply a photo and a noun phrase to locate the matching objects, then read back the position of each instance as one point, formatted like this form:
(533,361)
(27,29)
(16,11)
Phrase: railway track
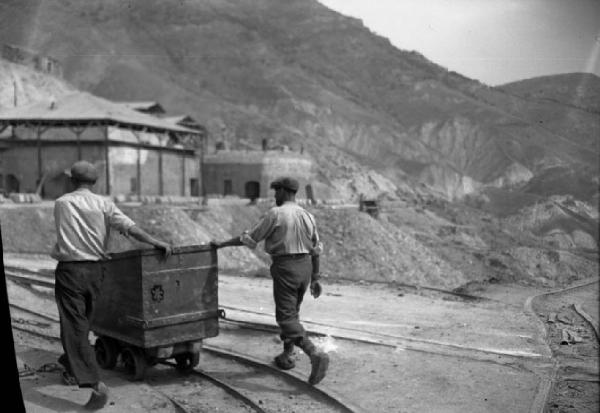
(253,384)
(353,334)
(385,342)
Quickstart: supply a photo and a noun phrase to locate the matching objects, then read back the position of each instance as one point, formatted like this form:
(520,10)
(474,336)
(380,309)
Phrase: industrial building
(247,174)
(136,153)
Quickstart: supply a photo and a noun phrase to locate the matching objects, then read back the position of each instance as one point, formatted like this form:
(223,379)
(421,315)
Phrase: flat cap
(285,182)
(83,171)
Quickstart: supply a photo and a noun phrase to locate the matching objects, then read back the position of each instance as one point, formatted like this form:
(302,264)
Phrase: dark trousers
(291,278)
(76,288)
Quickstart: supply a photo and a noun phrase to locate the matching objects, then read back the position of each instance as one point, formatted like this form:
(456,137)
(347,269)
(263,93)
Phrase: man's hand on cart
(167,248)
(141,235)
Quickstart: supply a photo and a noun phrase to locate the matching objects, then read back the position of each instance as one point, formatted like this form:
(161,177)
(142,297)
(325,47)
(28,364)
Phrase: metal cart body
(151,308)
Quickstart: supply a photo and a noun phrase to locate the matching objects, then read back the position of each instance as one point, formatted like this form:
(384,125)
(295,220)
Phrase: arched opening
(309,193)
(228,187)
(252,190)
(12,184)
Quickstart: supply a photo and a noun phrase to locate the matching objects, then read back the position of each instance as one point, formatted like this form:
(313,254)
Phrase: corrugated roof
(179,120)
(144,105)
(83,107)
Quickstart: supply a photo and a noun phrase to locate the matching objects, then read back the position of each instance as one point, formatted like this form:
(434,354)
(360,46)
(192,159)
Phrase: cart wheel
(134,362)
(187,361)
(107,351)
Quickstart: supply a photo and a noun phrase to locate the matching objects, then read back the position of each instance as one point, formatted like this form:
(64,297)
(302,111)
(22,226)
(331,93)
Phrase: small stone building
(20,55)
(248,174)
(135,153)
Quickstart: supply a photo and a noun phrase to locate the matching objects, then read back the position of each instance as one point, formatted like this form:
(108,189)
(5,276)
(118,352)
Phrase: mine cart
(151,309)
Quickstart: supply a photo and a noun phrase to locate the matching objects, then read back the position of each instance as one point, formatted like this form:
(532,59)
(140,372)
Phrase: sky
(493,41)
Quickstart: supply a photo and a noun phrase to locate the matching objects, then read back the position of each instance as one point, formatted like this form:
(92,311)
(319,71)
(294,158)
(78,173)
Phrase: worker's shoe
(67,377)
(284,360)
(319,360)
(99,397)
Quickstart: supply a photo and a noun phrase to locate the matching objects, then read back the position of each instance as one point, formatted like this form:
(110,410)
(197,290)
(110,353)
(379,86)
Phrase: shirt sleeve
(261,231)
(117,219)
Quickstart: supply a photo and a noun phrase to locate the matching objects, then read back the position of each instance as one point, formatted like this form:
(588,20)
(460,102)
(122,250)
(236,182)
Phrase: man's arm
(233,242)
(250,238)
(315,285)
(142,236)
(316,273)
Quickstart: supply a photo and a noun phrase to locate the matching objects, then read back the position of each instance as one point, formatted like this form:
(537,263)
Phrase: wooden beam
(182,175)
(201,169)
(78,130)
(39,130)
(92,142)
(106,161)
(161,187)
(138,166)
(39,154)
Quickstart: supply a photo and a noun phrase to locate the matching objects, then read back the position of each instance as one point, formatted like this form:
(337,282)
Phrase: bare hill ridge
(299,73)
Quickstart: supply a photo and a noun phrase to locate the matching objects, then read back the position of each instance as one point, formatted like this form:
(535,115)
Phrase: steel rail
(35,333)
(33,312)
(29,280)
(331,396)
(375,341)
(178,406)
(379,338)
(223,385)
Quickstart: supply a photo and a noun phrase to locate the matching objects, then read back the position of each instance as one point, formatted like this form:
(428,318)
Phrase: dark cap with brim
(83,171)
(287,183)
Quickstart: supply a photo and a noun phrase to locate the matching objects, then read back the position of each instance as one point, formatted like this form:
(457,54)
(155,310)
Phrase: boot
(98,398)
(284,360)
(319,360)
(66,375)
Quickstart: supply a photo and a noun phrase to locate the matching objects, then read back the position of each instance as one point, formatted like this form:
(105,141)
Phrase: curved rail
(297,380)
(229,389)
(333,398)
(225,386)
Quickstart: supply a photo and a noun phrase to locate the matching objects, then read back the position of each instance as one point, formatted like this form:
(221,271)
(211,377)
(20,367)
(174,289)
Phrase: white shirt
(83,222)
(286,229)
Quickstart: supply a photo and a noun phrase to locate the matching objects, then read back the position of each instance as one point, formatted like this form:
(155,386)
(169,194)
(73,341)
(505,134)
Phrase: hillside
(27,85)
(298,73)
(430,243)
(580,90)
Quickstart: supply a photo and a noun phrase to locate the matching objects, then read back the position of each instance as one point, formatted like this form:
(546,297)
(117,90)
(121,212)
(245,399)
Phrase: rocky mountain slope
(298,73)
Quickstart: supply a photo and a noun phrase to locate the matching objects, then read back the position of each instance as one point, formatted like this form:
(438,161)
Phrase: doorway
(252,190)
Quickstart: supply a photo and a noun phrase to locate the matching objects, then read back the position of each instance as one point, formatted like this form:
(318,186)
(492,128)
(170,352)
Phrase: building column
(39,154)
(78,130)
(138,165)
(183,174)
(106,161)
(161,188)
